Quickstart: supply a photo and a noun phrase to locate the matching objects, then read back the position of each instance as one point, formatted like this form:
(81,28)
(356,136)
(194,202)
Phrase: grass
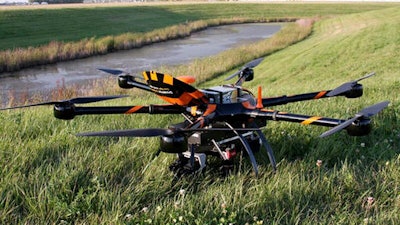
(32,36)
(50,176)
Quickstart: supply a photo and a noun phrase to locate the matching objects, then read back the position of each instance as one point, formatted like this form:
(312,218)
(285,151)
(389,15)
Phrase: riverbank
(37,36)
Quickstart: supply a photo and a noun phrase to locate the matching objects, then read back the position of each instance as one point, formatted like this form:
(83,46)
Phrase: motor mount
(360,127)
(247,73)
(123,81)
(64,111)
(355,92)
(176,143)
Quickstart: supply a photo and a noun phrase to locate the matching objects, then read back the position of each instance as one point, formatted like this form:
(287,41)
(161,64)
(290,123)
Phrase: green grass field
(48,175)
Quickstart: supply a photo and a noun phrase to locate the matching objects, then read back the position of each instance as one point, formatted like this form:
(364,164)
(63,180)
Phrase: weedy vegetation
(48,175)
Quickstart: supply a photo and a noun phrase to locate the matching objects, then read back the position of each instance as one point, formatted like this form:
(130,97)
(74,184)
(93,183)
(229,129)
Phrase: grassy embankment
(39,36)
(49,175)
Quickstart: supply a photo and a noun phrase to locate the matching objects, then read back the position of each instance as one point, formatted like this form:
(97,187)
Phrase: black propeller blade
(150,132)
(83,100)
(118,72)
(113,71)
(154,132)
(366,112)
(80,100)
(250,65)
(347,86)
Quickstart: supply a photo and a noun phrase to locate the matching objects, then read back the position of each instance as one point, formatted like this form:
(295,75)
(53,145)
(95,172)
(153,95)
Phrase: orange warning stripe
(153,76)
(259,99)
(186,97)
(320,95)
(187,79)
(311,120)
(168,80)
(133,109)
(183,100)
(248,105)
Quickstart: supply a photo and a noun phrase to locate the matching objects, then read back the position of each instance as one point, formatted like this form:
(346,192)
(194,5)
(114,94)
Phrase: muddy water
(201,44)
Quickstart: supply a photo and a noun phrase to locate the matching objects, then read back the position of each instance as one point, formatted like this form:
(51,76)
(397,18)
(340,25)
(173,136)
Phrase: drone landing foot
(184,165)
(227,168)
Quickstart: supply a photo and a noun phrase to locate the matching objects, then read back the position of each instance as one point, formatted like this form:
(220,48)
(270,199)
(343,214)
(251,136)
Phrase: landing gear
(187,164)
(220,144)
(182,166)
(226,168)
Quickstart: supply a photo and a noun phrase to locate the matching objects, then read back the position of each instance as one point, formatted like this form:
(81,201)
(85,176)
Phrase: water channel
(200,44)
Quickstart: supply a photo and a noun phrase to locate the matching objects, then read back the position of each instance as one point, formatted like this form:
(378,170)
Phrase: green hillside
(48,175)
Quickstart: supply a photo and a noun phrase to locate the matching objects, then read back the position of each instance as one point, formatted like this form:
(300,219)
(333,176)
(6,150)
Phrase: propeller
(347,86)
(154,132)
(118,72)
(80,100)
(174,90)
(366,112)
(149,132)
(250,65)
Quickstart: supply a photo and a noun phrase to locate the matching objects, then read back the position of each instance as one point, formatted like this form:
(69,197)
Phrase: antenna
(259,99)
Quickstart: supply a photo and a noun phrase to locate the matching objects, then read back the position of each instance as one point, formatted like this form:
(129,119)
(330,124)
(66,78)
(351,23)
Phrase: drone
(219,121)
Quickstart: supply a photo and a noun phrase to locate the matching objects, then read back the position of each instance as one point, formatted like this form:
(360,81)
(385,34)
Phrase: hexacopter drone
(218,121)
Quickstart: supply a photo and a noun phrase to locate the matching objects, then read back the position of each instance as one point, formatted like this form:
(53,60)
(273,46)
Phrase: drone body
(219,121)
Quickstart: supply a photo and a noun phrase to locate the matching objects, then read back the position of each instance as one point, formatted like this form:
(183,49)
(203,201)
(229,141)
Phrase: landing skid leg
(246,147)
(226,168)
(188,163)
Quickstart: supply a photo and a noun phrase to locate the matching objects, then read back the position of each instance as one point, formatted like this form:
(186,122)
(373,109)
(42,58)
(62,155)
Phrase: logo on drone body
(161,90)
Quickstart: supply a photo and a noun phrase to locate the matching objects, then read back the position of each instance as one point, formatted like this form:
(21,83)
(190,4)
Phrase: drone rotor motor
(64,111)
(360,127)
(247,73)
(176,143)
(123,81)
(355,92)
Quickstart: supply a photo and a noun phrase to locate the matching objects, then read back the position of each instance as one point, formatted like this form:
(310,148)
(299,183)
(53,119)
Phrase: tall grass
(50,176)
